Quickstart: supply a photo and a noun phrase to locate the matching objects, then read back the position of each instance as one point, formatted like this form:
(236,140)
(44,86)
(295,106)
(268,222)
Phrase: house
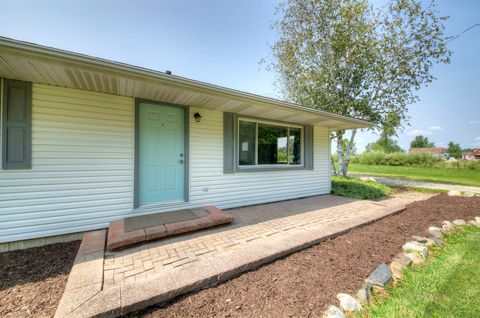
(436,151)
(474,155)
(86,141)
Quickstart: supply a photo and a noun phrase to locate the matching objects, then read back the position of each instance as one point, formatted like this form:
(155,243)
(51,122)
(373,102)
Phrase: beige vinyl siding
(82,166)
(83,163)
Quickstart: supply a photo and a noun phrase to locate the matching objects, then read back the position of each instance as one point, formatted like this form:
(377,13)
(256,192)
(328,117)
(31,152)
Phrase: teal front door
(161,153)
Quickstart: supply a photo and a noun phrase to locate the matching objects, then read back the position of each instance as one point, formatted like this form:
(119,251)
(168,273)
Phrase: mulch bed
(32,280)
(302,284)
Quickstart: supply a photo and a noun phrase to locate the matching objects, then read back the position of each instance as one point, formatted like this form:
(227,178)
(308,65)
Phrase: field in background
(442,175)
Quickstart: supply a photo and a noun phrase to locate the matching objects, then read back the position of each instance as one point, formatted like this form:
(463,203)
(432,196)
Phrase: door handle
(181,161)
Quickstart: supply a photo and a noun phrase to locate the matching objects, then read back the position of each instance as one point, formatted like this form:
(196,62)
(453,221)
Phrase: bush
(397,159)
(357,189)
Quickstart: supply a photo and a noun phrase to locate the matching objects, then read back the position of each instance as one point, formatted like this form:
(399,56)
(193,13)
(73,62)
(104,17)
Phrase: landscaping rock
(415,258)
(368,179)
(459,222)
(423,240)
(468,194)
(380,276)
(435,232)
(414,247)
(437,241)
(454,193)
(364,294)
(348,303)
(473,222)
(333,312)
(396,268)
(477,219)
(447,226)
(402,259)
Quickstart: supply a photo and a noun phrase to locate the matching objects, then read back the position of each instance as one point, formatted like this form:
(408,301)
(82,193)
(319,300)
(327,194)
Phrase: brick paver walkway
(158,271)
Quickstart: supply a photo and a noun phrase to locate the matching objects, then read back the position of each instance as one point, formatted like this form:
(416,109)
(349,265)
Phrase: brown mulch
(32,280)
(304,283)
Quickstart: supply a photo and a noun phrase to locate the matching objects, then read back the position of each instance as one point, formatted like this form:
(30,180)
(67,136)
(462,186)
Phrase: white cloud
(417,132)
(474,122)
(435,128)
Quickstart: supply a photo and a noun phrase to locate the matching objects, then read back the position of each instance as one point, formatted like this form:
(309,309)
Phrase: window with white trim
(269,144)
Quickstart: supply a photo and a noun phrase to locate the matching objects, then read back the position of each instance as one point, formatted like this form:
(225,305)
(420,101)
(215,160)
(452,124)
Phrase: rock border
(415,252)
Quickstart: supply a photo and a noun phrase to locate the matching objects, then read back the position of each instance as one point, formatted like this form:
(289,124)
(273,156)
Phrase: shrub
(358,189)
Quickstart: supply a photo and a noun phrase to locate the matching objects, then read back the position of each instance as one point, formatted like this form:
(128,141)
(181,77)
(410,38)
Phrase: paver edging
(126,298)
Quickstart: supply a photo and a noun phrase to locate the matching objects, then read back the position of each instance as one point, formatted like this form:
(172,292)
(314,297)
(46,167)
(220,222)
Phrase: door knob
(181,161)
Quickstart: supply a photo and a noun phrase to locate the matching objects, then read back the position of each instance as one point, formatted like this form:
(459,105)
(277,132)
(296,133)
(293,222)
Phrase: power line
(464,31)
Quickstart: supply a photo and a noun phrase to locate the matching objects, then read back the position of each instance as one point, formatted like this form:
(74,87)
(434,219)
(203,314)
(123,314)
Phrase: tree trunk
(340,169)
(333,166)
(349,152)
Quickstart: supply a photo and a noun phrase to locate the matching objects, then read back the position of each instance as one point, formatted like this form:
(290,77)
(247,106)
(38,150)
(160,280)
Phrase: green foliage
(454,150)
(346,57)
(415,159)
(421,142)
(446,286)
(357,189)
(397,159)
(455,176)
(385,143)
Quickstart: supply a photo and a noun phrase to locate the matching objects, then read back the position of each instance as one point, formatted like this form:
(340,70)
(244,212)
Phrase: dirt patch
(32,280)
(303,284)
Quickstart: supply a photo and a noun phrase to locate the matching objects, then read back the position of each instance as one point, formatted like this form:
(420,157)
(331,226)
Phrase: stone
(415,258)
(423,240)
(348,303)
(468,194)
(437,241)
(364,295)
(372,179)
(397,269)
(447,226)
(459,222)
(454,193)
(435,232)
(402,259)
(380,276)
(414,247)
(333,312)
(477,219)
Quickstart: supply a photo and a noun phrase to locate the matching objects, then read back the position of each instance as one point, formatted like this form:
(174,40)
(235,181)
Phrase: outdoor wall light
(197,117)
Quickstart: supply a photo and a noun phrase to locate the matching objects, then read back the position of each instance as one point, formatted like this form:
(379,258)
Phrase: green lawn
(457,176)
(447,286)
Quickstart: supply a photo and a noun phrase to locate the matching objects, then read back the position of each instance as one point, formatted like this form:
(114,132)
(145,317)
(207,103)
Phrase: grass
(357,189)
(454,176)
(422,190)
(448,285)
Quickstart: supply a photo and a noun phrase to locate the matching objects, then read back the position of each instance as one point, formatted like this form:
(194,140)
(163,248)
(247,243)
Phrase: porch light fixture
(197,117)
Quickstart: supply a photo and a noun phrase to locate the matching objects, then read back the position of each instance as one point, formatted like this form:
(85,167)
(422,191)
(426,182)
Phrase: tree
(454,150)
(421,142)
(385,143)
(345,57)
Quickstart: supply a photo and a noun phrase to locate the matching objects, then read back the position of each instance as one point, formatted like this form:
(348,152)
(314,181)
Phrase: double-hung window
(269,144)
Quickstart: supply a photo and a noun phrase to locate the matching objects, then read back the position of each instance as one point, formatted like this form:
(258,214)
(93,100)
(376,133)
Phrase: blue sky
(222,42)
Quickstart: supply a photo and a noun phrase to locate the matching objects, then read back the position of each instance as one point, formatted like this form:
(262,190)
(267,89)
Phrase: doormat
(143,221)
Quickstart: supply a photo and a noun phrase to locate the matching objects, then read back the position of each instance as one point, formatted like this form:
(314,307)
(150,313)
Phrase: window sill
(268,168)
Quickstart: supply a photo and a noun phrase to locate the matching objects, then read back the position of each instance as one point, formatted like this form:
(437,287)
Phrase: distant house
(436,151)
(474,155)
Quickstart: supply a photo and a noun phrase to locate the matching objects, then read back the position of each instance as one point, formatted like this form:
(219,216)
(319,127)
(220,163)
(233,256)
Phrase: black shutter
(228,143)
(309,147)
(16,125)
